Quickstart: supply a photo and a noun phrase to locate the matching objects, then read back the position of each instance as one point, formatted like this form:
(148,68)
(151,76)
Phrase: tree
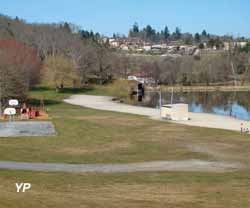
(211,43)
(201,46)
(19,70)
(134,32)
(187,38)
(177,33)
(135,28)
(166,33)
(204,33)
(197,38)
(84,61)
(149,32)
(59,71)
(104,60)
(66,27)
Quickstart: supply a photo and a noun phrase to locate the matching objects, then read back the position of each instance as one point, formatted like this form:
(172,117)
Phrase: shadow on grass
(64,90)
(37,102)
(53,97)
(75,90)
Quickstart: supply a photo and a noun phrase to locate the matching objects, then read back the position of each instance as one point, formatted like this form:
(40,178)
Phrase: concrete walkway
(196,119)
(184,165)
(27,128)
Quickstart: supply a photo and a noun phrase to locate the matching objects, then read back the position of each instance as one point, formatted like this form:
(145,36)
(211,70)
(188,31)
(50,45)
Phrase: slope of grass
(92,136)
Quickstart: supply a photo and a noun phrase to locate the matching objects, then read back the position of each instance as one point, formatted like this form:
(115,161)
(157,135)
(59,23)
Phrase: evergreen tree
(204,33)
(66,27)
(177,33)
(149,32)
(197,38)
(135,28)
(166,33)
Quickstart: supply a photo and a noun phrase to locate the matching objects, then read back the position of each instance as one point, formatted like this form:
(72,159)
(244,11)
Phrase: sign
(22,187)
(10,111)
(13,102)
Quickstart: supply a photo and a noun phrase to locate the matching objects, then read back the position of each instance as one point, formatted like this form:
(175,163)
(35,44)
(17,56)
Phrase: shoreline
(196,119)
(200,88)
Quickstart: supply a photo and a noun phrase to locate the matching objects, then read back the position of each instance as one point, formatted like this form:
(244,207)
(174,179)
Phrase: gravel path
(196,119)
(184,165)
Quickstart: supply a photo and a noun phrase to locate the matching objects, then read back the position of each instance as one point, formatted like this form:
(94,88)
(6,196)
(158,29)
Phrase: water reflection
(235,104)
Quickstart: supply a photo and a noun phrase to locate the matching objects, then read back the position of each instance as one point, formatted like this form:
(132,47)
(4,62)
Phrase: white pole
(172,94)
(160,101)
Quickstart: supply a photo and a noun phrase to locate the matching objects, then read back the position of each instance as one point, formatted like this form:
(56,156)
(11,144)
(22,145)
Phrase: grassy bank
(200,88)
(121,88)
(92,136)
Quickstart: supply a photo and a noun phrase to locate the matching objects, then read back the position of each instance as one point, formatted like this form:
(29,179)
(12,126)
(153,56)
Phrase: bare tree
(19,69)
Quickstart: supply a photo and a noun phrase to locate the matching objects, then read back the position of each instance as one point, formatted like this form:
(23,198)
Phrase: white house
(147,48)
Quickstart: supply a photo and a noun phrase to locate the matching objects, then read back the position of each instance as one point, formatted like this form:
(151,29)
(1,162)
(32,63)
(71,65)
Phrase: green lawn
(91,136)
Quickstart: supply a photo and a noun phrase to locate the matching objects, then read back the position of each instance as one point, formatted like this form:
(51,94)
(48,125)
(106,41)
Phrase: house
(142,77)
(124,47)
(132,78)
(240,44)
(147,48)
(114,43)
(226,46)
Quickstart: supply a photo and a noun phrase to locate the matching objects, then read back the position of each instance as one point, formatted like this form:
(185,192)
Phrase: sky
(117,16)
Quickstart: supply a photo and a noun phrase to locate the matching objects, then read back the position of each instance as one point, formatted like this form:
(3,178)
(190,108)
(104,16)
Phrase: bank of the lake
(223,88)
(196,119)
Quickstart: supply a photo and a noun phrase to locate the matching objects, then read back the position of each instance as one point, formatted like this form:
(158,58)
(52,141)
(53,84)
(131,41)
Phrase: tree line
(63,55)
(149,34)
(214,69)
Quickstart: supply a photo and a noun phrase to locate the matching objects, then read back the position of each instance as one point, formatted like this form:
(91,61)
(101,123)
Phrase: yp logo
(22,187)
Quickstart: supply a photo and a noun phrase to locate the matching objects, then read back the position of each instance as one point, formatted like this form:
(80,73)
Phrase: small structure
(176,112)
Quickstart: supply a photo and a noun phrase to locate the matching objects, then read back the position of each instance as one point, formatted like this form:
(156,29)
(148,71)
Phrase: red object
(33,114)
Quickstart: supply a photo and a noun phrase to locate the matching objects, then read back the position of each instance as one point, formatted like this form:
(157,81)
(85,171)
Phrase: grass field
(91,136)
(177,190)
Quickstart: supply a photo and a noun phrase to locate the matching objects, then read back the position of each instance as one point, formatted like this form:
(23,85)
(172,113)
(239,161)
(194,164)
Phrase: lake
(235,104)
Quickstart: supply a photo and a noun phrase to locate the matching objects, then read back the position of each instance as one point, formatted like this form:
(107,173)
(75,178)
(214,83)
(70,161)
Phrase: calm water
(235,104)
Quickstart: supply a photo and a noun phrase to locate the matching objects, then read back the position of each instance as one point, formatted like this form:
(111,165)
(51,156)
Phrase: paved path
(184,165)
(27,128)
(196,119)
